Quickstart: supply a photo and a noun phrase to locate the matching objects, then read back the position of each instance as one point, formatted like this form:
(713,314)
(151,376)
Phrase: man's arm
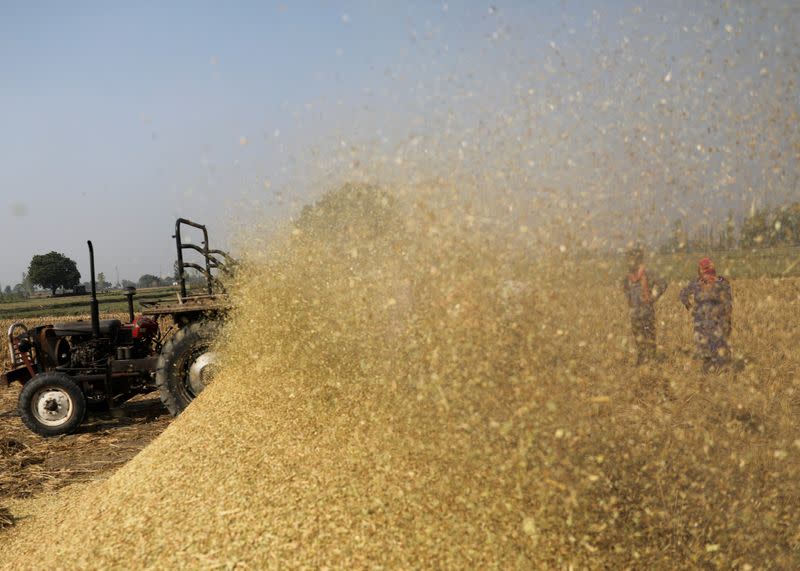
(685,294)
(626,288)
(658,287)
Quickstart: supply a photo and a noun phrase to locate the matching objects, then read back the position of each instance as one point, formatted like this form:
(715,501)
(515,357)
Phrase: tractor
(67,368)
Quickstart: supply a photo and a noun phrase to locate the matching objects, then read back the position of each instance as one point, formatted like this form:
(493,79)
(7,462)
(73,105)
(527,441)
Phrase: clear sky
(118,117)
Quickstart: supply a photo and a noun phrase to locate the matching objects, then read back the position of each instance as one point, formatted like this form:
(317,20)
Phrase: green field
(111,302)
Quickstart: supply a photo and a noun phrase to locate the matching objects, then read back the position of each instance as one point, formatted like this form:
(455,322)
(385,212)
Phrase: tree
(21,290)
(53,271)
(8,289)
(702,240)
(678,239)
(755,229)
(26,284)
(727,239)
(149,280)
(101,281)
(128,283)
(787,224)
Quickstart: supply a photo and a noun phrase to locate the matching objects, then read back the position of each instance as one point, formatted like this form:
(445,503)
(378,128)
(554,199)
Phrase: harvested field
(407,408)
(72,307)
(32,466)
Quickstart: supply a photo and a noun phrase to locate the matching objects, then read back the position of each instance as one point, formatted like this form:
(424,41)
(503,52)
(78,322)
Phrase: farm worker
(642,289)
(711,300)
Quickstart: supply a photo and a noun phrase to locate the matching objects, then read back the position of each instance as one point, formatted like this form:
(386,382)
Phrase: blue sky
(118,117)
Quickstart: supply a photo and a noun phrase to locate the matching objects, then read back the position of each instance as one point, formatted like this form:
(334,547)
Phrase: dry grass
(6,519)
(31,465)
(402,410)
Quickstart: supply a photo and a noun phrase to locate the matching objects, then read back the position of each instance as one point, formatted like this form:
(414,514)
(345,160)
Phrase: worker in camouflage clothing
(642,289)
(710,299)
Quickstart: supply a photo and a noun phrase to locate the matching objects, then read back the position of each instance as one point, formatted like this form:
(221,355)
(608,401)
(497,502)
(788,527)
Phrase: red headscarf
(707,272)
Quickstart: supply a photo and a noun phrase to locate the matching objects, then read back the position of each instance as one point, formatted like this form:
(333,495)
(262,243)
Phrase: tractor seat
(108,327)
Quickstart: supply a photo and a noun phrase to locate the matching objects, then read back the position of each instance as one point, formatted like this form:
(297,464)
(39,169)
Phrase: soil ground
(31,465)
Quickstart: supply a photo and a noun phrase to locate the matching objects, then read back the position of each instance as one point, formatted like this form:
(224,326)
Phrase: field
(31,466)
(454,407)
(112,302)
(758,263)
(682,266)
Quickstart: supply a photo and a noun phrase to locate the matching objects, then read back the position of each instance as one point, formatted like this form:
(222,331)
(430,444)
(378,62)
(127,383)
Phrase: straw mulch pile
(402,389)
(6,518)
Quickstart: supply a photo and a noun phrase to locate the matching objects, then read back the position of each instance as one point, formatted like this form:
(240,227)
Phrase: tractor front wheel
(51,404)
(186,365)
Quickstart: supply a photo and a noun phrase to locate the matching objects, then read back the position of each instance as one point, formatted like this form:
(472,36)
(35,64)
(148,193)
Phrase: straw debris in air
(402,388)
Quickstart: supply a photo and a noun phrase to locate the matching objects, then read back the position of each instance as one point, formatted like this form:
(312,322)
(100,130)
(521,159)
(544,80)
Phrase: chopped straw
(397,397)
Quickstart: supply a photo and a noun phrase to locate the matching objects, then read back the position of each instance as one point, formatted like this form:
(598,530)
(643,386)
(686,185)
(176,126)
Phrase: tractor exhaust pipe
(129,293)
(95,306)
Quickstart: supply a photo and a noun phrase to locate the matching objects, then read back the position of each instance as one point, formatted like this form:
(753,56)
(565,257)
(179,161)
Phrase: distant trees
(727,240)
(678,240)
(149,280)
(52,271)
(772,227)
(102,283)
(22,290)
(25,287)
(8,294)
(763,228)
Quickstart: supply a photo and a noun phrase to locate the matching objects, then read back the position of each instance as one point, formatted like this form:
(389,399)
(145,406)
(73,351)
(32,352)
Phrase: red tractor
(67,368)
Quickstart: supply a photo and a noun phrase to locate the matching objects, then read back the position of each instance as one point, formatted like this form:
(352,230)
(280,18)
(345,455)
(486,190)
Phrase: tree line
(55,271)
(763,228)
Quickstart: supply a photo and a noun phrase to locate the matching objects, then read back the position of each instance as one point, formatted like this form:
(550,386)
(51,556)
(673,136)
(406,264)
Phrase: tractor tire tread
(165,375)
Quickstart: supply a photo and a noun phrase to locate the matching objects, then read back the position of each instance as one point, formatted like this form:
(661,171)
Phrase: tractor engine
(90,353)
(143,336)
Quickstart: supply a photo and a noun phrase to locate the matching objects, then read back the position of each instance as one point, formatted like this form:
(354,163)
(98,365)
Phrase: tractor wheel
(186,365)
(51,404)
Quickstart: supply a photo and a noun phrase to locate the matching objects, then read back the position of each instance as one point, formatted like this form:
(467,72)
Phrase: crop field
(112,302)
(453,407)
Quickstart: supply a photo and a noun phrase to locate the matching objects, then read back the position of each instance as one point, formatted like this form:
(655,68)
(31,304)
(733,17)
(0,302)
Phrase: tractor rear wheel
(51,404)
(186,365)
